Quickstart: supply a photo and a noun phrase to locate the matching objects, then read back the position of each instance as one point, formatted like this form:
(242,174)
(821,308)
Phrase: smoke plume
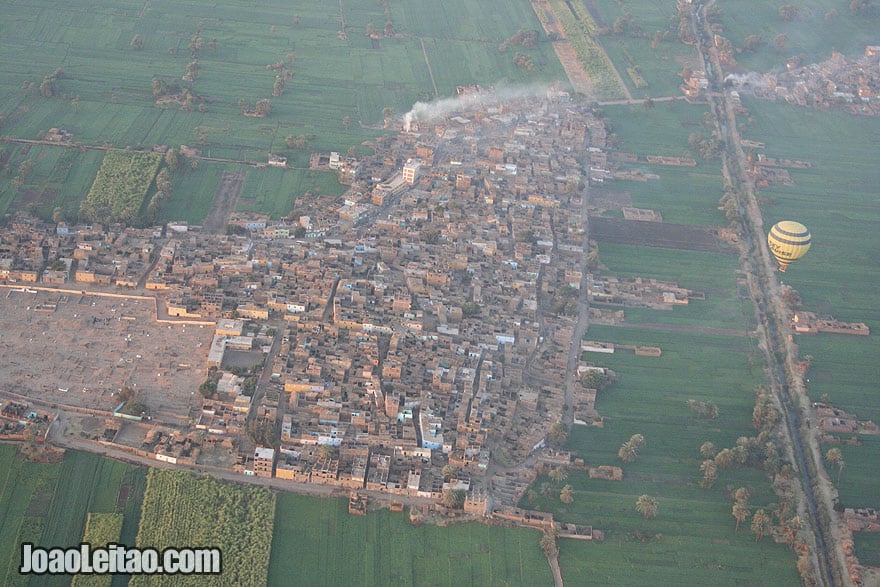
(445,106)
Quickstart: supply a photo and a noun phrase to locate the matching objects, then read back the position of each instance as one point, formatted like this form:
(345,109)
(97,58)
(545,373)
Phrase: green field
(711,273)
(320,543)
(105,93)
(48,504)
(633,47)
(273,191)
(811,34)
(837,199)
(59,178)
(183,509)
(697,528)
(686,195)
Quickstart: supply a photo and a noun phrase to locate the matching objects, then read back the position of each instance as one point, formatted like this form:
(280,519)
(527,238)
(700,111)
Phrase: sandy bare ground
(80,349)
(225,200)
(577,77)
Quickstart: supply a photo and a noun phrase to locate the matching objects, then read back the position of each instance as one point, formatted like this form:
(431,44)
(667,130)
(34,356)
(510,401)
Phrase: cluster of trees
(470,309)
(702,409)
(260,110)
(629,450)
(134,407)
(789,12)
(299,141)
(522,38)
(730,205)
(209,386)
(708,148)
(683,21)
(195,45)
(763,520)
(387,30)
(557,435)
(192,71)
(164,190)
(523,61)
(861,7)
(596,379)
(765,416)
(557,475)
(759,452)
(263,432)
(548,541)
(565,302)
(173,92)
(278,86)
(49,85)
(120,186)
(627,25)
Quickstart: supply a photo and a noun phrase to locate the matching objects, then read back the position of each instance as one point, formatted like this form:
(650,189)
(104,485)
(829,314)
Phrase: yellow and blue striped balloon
(788,241)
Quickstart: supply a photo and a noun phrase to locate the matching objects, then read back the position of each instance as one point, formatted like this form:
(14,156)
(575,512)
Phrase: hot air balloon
(789,241)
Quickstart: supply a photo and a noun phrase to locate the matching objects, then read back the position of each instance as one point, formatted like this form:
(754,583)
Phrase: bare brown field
(80,349)
(657,234)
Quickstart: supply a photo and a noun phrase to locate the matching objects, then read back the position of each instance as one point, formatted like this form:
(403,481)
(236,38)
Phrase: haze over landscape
(404,292)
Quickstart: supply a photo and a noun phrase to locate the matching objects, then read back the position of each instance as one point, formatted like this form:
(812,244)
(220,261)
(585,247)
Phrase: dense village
(838,82)
(410,338)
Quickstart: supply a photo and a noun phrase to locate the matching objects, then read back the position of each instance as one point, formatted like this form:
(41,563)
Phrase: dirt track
(225,200)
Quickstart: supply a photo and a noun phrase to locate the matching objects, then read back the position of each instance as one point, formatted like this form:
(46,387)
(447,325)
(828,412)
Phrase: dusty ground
(225,200)
(80,350)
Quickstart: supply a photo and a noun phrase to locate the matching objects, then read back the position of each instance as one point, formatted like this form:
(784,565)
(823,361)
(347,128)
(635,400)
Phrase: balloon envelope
(788,241)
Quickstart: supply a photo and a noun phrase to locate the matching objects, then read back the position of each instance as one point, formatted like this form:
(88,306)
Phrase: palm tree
(708,450)
(647,506)
(835,458)
(638,440)
(790,528)
(740,512)
(710,473)
(628,452)
(711,410)
(760,524)
(565,496)
(724,458)
(453,498)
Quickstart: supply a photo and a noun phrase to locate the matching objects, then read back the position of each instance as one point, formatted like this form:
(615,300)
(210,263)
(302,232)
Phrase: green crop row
(101,529)
(180,508)
(580,31)
(121,184)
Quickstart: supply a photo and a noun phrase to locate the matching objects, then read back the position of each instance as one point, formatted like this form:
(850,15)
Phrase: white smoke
(468,101)
(753,79)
